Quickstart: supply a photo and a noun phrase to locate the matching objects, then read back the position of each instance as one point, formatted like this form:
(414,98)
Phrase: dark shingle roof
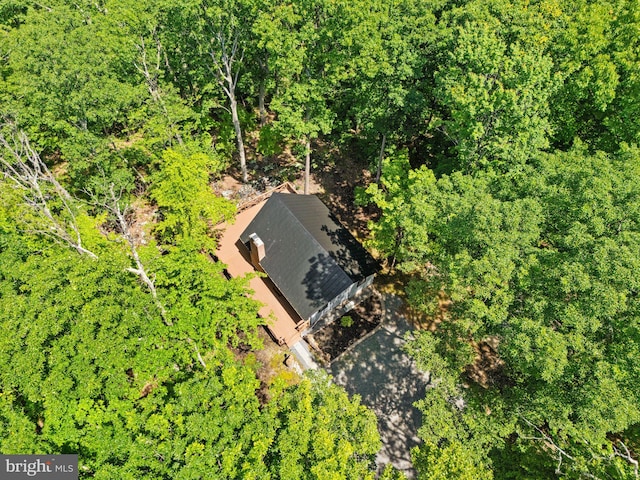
(308,255)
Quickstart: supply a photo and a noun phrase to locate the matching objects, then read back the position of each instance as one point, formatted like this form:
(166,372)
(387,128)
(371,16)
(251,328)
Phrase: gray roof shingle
(309,256)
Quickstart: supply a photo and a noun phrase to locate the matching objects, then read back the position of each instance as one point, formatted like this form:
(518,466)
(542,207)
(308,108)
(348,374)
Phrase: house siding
(308,255)
(345,295)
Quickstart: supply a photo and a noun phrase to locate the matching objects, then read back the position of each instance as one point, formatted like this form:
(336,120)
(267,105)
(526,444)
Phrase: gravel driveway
(384,376)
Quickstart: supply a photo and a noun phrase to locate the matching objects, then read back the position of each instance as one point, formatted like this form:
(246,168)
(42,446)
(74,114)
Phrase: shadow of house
(313,261)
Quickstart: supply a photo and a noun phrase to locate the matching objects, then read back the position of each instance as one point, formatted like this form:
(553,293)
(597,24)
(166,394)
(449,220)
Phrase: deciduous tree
(542,325)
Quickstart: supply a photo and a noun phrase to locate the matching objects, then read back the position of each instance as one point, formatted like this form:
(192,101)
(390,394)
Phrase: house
(313,261)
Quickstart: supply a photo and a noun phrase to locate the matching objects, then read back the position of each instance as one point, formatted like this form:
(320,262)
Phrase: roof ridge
(306,230)
(328,257)
(337,223)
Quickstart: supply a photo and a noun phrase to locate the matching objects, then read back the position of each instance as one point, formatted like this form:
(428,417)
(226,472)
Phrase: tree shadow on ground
(335,338)
(389,383)
(339,182)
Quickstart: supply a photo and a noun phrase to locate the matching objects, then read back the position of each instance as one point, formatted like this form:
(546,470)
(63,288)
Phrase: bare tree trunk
(224,61)
(113,205)
(381,158)
(30,174)
(151,76)
(238,129)
(307,164)
(627,456)
(264,68)
(195,348)
(261,95)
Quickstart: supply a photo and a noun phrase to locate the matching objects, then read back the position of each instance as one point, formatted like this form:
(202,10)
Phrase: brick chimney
(257,251)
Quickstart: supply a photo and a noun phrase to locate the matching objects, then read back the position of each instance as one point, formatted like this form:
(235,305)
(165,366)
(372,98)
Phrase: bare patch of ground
(392,282)
(333,178)
(227,186)
(338,336)
(142,220)
(487,368)
(339,179)
(422,321)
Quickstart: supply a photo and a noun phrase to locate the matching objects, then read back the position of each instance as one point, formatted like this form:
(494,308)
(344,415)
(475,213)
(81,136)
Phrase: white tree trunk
(29,173)
(381,158)
(238,129)
(307,164)
(223,62)
(261,95)
(151,73)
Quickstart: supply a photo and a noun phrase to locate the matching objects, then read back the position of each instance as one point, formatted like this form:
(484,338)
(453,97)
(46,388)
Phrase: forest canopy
(502,141)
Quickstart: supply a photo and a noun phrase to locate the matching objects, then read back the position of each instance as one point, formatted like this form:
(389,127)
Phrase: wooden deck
(283,322)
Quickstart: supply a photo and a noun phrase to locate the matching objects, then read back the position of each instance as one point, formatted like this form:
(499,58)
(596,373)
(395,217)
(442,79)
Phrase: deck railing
(263,196)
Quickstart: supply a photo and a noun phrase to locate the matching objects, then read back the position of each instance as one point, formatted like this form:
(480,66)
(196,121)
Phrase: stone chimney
(257,251)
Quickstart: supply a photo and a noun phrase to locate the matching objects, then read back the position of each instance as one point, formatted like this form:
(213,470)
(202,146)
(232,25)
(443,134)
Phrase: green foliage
(390,473)
(307,46)
(386,45)
(540,262)
(535,248)
(188,205)
(142,392)
(57,218)
(12,13)
(346,321)
(74,327)
(393,196)
(270,142)
(96,166)
(597,52)
(495,95)
(321,434)
(202,302)
(450,462)
(106,378)
(180,439)
(63,85)
(88,366)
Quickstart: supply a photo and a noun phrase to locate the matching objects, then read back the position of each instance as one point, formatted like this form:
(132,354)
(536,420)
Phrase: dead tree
(112,204)
(150,69)
(26,171)
(561,454)
(625,454)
